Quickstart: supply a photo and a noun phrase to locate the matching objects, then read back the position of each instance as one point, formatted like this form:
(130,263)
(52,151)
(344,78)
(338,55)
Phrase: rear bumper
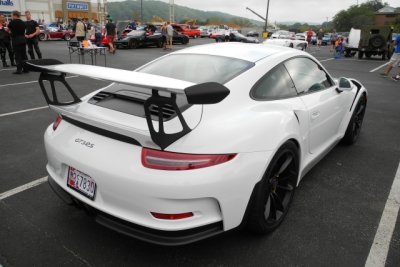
(159,237)
(130,192)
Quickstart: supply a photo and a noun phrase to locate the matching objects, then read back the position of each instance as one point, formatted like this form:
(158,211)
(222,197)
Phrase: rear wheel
(274,193)
(354,128)
(360,54)
(368,54)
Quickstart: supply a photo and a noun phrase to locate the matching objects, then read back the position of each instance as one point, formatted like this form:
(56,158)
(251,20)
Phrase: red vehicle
(186,30)
(56,33)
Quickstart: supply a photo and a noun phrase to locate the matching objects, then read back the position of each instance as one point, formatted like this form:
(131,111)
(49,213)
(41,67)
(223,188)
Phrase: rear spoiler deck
(52,70)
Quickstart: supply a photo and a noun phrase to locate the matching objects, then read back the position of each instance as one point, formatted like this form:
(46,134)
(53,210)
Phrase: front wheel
(354,128)
(67,37)
(42,36)
(274,193)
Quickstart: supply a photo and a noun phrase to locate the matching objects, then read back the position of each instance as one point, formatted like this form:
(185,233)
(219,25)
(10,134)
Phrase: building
(57,10)
(386,15)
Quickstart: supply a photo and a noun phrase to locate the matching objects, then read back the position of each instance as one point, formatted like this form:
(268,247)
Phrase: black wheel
(160,44)
(354,128)
(67,37)
(291,45)
(368,54)
(133,44)
(360,54)
(42,37)
(185,41)
(274,193)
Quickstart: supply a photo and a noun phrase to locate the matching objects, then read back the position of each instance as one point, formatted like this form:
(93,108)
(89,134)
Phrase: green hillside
(130,9)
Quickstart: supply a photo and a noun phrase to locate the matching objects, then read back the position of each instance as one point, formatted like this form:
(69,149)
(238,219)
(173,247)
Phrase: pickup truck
(186,30)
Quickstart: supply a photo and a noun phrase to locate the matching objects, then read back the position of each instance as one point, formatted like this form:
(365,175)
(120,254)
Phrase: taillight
(162,160)
(57,122)
(178,216)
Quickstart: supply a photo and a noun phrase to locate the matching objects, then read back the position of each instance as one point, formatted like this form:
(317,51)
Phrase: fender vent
(101,96)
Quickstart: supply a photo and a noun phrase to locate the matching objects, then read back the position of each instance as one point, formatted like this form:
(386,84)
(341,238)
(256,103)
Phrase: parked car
(187,30)
(253,34)
(136,39)
(283,35)
(326,40)
(374,42)
(205,32)
(197,142)
(301,36)
(236,37)
(56,33)
(298,44)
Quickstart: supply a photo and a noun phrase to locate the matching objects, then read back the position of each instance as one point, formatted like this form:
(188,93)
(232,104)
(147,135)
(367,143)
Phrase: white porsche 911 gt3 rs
(197,142)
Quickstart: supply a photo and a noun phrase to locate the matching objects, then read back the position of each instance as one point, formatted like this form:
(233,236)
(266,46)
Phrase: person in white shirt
(170,35)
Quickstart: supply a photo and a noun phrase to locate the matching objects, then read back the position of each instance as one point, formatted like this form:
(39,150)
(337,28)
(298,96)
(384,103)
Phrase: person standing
(17,29)
(334,38)
(320,35)
(111,32)
(170,35)
(309,36)
(80,30)
(164,33)
(5,43)
(394,60)
(31,35)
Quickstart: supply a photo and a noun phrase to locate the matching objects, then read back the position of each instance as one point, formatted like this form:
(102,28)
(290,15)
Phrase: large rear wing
(52,70)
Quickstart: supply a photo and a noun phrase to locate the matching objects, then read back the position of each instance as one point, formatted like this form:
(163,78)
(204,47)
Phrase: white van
(353,42)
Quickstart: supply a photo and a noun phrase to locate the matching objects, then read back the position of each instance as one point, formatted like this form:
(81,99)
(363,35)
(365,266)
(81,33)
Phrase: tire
(160,43)
(273,194)
(291,45)
(67,37)
(185,41)
(368,55)
(354,128)
(377,41)
(133,44)
(360,54)
(195,36)
(42,37)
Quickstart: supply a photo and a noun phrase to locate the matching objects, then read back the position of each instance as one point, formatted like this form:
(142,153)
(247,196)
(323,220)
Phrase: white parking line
(380,247)
(12,84)
(7,69)
(328,59)
(22,111)
(24,187)
(381,66)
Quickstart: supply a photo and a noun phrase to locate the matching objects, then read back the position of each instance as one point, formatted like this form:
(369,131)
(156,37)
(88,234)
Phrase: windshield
(198,68)
(136,33)
(239,35)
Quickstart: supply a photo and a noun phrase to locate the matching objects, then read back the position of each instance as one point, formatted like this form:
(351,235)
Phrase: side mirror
(344,85)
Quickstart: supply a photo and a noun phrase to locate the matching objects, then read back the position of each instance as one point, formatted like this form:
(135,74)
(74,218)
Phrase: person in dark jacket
(17,29)
(5,43)
(31,35)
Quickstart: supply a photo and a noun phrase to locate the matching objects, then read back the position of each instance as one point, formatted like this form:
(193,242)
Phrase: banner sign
(6,3)
(77,6)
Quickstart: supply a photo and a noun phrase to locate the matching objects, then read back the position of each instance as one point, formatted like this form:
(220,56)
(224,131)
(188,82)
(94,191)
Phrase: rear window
(198,68)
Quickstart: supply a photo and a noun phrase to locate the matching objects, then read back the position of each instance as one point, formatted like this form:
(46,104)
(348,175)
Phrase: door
(325,106)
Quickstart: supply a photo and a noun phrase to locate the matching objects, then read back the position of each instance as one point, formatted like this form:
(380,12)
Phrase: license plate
(81,183)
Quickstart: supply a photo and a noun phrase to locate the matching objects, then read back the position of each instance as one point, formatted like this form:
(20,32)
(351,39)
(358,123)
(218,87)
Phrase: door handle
(315,115)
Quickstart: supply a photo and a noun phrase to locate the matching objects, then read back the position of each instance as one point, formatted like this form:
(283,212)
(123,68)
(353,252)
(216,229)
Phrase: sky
(316,11)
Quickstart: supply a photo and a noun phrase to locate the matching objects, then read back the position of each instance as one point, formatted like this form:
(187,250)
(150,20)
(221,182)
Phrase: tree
(357,16)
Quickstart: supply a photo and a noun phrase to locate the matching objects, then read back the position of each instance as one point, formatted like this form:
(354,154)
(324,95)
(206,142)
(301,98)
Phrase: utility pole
(265,34)
(141,11)
(171,11)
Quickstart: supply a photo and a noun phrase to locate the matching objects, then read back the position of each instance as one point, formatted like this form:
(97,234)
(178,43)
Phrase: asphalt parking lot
(332,222)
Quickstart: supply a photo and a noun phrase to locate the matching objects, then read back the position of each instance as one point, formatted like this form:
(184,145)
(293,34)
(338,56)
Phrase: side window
(307,75)
(276,84)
